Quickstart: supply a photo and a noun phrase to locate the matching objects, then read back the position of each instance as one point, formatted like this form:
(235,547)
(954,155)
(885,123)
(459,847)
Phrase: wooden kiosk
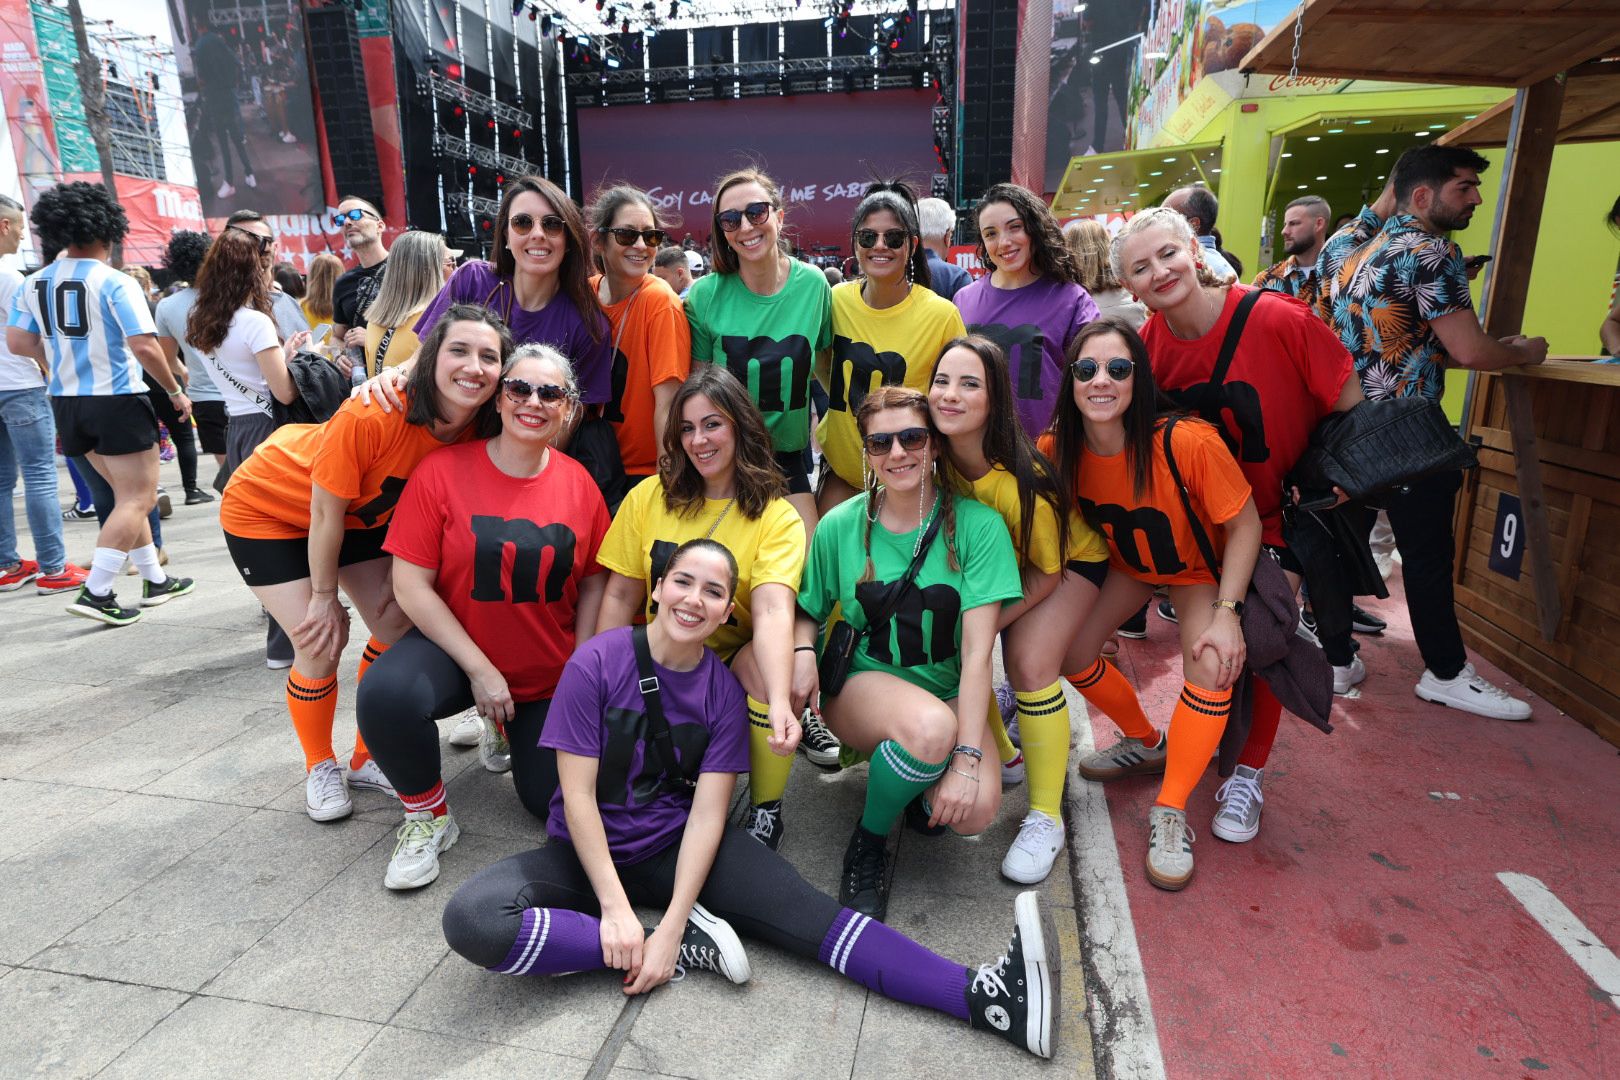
(1538,527)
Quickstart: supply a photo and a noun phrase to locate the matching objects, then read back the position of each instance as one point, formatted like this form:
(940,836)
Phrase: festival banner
(28,110)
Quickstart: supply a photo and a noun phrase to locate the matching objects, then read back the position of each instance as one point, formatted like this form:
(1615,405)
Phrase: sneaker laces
(866,868)
(761,823)
(1236,795)
(1032,833)
(1177,832)
(702,957)
(992,978)
(816,733)
(328,782)
(415,836)
(1477,682)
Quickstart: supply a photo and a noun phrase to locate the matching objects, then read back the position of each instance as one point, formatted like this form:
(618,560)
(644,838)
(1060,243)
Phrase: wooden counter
(1575,410)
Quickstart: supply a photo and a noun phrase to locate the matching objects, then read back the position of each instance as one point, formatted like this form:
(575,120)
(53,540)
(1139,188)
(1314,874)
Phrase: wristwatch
(1234,606)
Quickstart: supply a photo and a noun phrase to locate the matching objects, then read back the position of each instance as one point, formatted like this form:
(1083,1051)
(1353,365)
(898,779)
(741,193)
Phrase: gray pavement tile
(52,887)
(184,926)
(67,1026)
(396,1054)
(356,949)
(40,811)
(43,721)
(212,1037)
(256,765)
(485,803)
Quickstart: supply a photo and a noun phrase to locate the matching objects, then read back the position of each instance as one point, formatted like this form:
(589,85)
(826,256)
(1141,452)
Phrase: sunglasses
(357,214)
(266,244)
(893,239)
(755,212)
(879,443)
(551,224)
(520,390)
(626,236)
(1119,369)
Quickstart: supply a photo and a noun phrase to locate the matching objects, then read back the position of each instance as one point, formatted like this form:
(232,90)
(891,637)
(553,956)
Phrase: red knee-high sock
(373,649)
(1102,685)
(1267,712)
(1197,723)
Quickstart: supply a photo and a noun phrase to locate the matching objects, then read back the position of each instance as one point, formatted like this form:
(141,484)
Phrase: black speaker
(334,56)
(989,76)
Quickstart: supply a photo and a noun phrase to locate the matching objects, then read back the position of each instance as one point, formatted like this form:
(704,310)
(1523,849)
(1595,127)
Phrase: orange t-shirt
(1149,536)
(652,345)
(362,455)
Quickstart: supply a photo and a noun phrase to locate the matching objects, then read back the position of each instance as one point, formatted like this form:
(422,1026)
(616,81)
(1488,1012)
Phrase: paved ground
(167,908)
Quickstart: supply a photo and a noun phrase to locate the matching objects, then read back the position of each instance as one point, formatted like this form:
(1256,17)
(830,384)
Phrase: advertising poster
(28,111)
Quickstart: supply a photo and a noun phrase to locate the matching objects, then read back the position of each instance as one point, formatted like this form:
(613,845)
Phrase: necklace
(724,510)
(916,547)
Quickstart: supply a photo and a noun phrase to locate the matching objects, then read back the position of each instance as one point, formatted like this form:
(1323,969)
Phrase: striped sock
(893,780)
(373,649)
(1102,685)
(554,941)
(312,704)
(1197,723)
(885,960)
(432,800)
(1043,721)
(767,771)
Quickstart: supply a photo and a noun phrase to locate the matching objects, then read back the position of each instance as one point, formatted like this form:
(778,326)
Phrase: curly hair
(1180,228)
(754,474)
(944,476)
(79,214)
(231,278)
(185,254)
(1047,249)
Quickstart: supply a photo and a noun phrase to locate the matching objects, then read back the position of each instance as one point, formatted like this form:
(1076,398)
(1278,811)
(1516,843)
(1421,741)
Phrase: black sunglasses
(893,239)
(755,212)
(912,439)
(626,236)
(267,244)
(339,217)
(520,390)
(551,224)
(1119,369)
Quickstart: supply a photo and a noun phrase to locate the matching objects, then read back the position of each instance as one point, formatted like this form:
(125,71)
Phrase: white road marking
(1583,946)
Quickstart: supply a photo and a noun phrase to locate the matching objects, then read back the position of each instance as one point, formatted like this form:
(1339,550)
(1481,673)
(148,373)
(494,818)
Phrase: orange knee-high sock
(373,649)
(1266,714)
(1197,723)
(312,703)
(1102,685)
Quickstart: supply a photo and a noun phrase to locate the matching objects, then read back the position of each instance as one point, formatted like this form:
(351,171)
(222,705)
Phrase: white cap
(694,262)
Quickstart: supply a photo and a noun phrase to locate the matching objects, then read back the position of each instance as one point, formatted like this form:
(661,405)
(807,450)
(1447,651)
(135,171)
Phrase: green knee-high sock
(894,780)
(767,771)
(1043,722)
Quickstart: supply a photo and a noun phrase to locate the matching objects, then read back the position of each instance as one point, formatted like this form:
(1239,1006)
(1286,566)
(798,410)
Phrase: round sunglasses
(520,390)
(1084,370)
(627,236)
(879,443)
(755,212)
(551,224)
(893,239)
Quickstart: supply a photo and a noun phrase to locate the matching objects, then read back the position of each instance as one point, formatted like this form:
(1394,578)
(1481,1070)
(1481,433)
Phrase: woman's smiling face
(708,438)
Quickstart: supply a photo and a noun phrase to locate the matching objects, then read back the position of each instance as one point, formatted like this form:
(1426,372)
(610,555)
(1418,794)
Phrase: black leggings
(750,886)
(185,446)
(415,683)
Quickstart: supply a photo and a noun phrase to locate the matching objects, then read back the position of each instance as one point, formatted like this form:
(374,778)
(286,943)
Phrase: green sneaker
(104,608)
(165,590)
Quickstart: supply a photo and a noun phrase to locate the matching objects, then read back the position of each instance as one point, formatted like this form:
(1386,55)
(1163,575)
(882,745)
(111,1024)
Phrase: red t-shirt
(1285,376)
(510,554)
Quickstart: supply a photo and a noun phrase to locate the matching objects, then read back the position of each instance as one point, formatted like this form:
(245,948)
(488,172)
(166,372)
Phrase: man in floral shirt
(1400,304)
(1304,229)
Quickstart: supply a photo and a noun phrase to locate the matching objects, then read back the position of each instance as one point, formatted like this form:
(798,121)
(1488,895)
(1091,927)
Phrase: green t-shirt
(923,641)
(768,342)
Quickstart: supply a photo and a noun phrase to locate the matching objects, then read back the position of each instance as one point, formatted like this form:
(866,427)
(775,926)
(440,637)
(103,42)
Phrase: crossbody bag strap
(663,742)
(1234,333)
(1205,548)
(381,352)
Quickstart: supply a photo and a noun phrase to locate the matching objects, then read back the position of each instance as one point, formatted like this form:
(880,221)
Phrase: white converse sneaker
(1170,841)
(467,730)
(326,792)
(416,855)
(370,776)
(1471,693)
(1030,858)
(1349,675)
(1238,819)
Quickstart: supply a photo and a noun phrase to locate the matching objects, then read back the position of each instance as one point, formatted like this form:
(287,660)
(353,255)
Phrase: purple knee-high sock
(554,941)
(885,960)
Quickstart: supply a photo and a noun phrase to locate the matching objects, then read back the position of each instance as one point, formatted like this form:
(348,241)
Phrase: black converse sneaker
(865,884)
(103,608)
(710,944)
(817,743)
(1017,997)
(165,590)
(764,823)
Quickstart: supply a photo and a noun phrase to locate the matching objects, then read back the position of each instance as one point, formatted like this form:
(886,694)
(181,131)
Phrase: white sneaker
(1349,675)
(326,792)
(250,182)
(1238,818)
(225,190)
(1471,693)
(416,855)
(370,776)
(1170,841)
(467,730)
(1030,858)
(1012,772)
(493,749)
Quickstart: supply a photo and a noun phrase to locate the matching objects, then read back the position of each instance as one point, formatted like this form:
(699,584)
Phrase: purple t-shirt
(598,712)
(558,324)
(1034,325)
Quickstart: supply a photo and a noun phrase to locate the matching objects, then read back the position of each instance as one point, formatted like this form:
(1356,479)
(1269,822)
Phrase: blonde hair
(1180,228)
(323,274)
(1089,240)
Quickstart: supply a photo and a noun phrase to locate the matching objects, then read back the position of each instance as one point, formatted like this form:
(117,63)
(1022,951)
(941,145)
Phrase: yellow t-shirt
(893,347)
(998,489)
(768,550)
(400,346)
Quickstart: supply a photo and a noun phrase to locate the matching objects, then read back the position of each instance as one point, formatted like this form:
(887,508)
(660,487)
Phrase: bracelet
(971,751)
(178,391)
(325,592)
(804,648)
(970,776)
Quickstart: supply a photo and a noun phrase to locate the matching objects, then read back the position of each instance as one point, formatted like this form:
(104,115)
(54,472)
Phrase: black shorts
(109,425)
(1094,572)
(275,562)
(212,423)
(795,466)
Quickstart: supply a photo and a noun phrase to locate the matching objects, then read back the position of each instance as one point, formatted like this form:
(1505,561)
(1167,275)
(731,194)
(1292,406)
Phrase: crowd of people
(640,533)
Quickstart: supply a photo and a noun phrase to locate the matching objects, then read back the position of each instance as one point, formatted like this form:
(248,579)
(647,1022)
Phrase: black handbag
(676,779)
(322,389)
(843,639)
(595,446)
(1379,445)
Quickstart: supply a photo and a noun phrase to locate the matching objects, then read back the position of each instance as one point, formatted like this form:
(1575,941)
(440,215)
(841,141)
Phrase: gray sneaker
(1170,841)
(1238,819)
(1128,757)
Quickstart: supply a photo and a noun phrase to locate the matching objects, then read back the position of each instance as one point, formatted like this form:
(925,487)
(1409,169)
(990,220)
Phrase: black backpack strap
(1234,333)
(663,743)
(1205,548)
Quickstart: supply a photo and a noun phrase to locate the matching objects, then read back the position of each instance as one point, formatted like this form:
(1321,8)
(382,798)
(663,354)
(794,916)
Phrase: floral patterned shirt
(1290,278)
(1386,294)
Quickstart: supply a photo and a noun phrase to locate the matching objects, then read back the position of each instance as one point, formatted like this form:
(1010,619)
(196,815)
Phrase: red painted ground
(1364,931)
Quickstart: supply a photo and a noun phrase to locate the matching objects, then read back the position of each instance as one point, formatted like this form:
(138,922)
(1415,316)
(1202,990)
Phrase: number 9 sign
(1507,538)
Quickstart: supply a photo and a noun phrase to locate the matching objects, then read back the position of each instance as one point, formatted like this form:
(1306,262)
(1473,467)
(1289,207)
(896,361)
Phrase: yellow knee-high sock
(1004,745)
(1043,723)
(767,770)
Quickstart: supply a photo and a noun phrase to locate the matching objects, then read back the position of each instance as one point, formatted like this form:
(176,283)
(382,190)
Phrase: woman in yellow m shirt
(414,276)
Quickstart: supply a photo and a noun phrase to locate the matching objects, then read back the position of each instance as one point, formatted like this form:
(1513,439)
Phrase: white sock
(146,562)
(105,567)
